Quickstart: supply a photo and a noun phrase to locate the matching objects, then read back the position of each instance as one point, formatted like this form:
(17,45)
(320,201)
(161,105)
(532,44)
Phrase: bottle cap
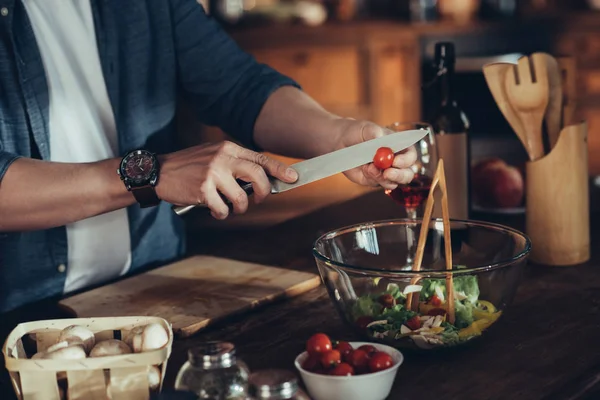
(273,384)
(212,355)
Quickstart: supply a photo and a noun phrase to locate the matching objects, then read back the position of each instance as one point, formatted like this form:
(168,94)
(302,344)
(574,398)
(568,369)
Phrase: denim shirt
(152,53)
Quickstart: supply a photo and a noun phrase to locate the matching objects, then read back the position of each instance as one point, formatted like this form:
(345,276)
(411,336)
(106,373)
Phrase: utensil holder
(557,196)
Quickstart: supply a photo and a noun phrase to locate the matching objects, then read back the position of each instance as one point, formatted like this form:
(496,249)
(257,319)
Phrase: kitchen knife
(335,162)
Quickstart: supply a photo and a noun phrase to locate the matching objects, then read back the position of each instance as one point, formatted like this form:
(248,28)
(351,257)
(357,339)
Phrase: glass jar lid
(273,384)
(212,355)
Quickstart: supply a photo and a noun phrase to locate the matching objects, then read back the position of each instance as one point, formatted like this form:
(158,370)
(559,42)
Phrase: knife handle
(246,187)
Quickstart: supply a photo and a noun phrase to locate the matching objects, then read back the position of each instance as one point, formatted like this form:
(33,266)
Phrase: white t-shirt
(82,129)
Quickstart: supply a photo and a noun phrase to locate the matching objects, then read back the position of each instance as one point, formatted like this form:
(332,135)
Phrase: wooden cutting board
(192,293)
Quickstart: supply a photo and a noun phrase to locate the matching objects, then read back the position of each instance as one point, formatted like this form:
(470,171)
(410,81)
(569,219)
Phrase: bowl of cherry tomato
(333,370)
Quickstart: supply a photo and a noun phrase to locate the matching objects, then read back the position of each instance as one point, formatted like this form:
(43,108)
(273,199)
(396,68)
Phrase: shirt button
(62,268)
(4,11)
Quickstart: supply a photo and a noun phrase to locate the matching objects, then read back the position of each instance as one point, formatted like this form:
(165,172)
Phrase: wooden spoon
(529,97)
(553,115)
(495,76)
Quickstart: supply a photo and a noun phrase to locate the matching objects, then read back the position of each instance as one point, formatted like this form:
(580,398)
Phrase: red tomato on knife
(384,158)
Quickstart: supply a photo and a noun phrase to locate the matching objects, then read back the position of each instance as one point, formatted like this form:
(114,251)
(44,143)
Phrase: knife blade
(333,163)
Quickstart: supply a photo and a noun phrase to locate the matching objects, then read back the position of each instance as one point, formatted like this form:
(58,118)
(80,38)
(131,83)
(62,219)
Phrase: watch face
(138,166)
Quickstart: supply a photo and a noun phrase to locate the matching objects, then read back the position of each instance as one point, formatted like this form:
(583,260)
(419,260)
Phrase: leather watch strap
(145,196)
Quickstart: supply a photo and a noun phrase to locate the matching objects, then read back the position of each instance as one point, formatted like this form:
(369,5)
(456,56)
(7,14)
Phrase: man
(89,88)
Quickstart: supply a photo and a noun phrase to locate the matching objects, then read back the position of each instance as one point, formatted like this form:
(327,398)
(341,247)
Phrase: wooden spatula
(529,97)
(495,76)
(553,115)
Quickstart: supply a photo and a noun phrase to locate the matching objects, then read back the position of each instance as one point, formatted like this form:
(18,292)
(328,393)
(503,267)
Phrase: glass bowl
(367,269)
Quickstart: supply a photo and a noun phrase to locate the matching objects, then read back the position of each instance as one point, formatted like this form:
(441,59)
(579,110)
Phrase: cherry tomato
(331,358)
(414,323)
(318,343)
(312,363)
(342,369)
(384,158)
(436,301)
(369,349)
(380,361)
(436,311)
(347,357)
(363,321)
(344,348)
(387,301)
(359,360)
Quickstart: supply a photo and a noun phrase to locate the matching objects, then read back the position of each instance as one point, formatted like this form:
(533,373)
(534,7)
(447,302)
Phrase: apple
(497,184)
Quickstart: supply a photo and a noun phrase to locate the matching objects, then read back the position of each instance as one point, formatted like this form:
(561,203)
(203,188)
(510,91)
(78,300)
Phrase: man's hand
(197,175)
(353,132)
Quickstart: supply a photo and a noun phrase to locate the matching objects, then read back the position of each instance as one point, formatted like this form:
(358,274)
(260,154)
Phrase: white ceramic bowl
(373,386)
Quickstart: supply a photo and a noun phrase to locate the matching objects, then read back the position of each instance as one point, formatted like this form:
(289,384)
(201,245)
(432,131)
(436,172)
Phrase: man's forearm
(291,123)
(39,194)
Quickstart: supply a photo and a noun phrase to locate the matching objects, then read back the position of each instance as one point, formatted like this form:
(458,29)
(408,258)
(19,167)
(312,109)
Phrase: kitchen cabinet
(584,46)
(333,76)
(372,70)
(395,82)
(372,78)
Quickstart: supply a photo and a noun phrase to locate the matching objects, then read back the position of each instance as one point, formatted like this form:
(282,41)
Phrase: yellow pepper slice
(479,315)
(477,327)
(471,330)
(490,308)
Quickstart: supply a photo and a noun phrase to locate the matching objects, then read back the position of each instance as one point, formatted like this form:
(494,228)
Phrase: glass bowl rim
(423,272)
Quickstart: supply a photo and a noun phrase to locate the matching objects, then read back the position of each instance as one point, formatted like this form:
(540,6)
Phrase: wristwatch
(139,172)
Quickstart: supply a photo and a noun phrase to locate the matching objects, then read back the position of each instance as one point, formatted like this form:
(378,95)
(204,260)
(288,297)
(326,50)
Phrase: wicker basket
(112,377)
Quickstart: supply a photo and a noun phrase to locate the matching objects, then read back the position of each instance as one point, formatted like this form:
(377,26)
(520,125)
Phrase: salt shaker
(214,372)
(275,384)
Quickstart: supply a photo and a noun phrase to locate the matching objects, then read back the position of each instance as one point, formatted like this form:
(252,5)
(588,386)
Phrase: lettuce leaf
(464,313)
(450,334)
(466,285)
(366,306)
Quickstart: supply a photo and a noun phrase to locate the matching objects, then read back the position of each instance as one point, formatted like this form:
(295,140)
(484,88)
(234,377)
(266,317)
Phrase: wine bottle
(450,125)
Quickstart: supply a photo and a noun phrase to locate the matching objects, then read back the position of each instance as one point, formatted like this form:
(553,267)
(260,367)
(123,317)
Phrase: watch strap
(145,196)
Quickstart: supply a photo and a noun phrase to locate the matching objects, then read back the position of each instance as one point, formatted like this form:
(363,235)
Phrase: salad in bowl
(384,315)
(368,274)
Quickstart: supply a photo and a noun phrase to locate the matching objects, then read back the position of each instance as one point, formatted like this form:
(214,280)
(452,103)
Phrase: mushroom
(153,377)
(77,333)
(62,351)
(61,345)
(110,347)
(150,337)
(153,381)
(133,333)
(65,353)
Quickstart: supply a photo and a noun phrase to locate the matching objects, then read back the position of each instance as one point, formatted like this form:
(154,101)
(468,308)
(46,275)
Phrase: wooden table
(546,346)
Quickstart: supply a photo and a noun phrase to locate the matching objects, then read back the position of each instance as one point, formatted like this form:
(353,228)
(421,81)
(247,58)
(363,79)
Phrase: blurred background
(373,59)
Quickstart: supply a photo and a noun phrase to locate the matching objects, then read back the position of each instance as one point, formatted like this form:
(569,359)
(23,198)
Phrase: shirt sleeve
(6,159)
(226,86)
